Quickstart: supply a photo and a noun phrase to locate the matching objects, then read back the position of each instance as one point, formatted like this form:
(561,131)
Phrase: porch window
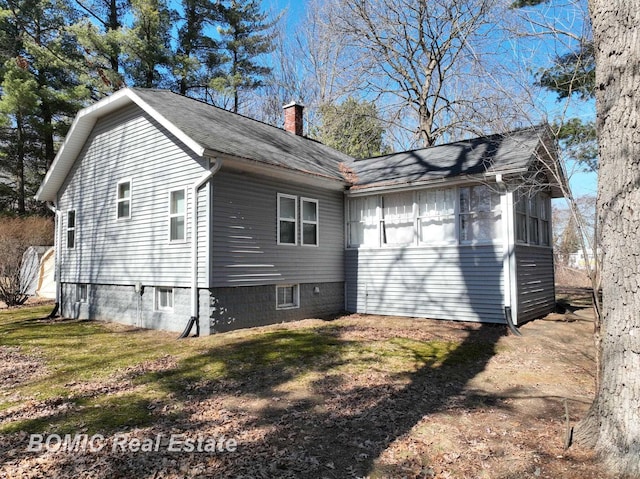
(521,220)
(533,219)
(397,219)
(479,214)
(362,221)
(177,215)
(288,219)
(123,199)
(437,216)
(287,296)
(71,229)
(310,231)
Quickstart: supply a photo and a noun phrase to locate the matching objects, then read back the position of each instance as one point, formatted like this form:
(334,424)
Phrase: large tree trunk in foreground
(613,424)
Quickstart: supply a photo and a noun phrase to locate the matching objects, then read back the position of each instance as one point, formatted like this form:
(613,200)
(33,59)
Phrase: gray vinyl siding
(128,145)
(440,282)
(245,249)
(535,282)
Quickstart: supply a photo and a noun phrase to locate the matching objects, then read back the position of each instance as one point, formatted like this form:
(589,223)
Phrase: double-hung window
(288,219)
(177,215)
(123,199)
(397,219)
(521,220)
(532,219)
(71,229)
(310,232)
(479,214)
(437,216)
(363,221)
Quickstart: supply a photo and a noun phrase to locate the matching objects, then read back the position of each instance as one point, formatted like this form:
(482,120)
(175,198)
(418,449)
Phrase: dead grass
(361,396)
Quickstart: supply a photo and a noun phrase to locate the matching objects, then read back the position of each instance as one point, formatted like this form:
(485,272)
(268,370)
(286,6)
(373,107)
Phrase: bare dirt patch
(361,396)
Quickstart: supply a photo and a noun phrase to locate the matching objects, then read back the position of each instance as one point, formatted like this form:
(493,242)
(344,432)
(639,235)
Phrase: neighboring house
(31,268)
(171,210)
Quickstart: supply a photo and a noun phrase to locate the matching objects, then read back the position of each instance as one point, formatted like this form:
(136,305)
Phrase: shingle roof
(500,153)
(219,130)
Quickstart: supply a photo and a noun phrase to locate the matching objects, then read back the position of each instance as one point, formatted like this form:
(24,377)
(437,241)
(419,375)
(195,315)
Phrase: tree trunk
(613,423)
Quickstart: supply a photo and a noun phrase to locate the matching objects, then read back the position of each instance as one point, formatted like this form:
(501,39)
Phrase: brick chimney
(293,118)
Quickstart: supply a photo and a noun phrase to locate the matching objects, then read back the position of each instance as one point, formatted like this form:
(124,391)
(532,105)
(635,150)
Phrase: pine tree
(246,35)
(196,58)
(147,44)
(352,127)
(41,89)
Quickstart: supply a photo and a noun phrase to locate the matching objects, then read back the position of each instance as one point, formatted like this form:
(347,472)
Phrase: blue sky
(582,183)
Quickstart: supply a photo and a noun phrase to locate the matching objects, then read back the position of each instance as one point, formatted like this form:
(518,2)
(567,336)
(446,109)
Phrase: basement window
(287,296)
(164,299)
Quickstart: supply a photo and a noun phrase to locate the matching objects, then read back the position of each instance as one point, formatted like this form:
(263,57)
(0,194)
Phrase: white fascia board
(81,129)
(416,185)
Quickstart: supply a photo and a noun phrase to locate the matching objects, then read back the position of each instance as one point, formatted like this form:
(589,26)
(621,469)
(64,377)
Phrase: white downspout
(195,187)
(508,242)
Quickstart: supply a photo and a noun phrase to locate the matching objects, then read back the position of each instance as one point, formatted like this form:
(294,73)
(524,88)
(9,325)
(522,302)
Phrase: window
(543,205)
(534,232)
(164,299)
(177,216)
(288,219)
(309,222)
(81,293)
(437,216)
(287,296)
(71,229)
(362,221)
(124,199)
(479,214)
(521,220)
(397,219)
(532,219)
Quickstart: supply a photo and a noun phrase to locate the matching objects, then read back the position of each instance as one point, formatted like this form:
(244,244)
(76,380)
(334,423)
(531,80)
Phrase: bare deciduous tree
(428,60)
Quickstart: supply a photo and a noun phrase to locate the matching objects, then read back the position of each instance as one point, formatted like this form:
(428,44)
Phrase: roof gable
(204,129)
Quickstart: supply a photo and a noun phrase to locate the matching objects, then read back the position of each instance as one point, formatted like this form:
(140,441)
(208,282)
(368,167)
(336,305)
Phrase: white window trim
(123,200)
(460,214)
(542,197)
(156,299)
(304,200)
(176,215)
(382,222)
(349,224)
(295,229)
(455,215)
(72,228)
(296,296)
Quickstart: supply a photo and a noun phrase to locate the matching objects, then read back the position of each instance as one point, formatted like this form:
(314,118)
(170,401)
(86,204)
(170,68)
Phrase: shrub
(16,235)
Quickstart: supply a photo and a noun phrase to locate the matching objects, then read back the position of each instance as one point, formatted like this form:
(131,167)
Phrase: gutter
(195,187)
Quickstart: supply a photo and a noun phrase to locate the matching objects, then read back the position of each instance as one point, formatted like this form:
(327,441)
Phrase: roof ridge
(542,125)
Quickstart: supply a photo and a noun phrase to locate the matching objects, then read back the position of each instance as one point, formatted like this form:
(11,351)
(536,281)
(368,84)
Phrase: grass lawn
(358,396)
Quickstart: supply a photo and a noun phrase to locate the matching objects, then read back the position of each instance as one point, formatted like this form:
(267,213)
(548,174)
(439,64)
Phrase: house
(171,212)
